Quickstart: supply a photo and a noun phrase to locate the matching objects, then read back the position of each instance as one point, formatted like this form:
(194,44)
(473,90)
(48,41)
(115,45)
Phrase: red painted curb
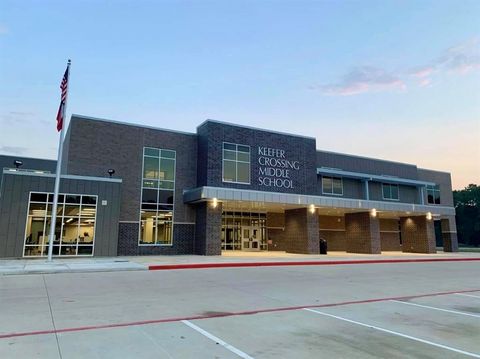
(226,314)
(302,263)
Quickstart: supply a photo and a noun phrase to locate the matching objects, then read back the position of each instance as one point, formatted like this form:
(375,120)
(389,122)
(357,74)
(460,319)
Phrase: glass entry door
(250,238)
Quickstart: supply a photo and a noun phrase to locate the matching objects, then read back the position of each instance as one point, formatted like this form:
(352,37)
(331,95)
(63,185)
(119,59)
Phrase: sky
(396,80)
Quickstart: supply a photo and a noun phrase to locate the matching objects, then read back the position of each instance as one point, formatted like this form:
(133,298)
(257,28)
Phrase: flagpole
(53,222)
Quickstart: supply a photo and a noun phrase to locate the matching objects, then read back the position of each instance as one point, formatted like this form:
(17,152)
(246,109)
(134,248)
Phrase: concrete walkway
(67,265)
(227,259)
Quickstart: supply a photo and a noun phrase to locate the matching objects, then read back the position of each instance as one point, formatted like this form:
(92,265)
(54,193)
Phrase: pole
(51,236)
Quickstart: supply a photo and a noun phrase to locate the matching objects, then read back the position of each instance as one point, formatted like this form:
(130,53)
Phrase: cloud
(460,59)
(14,150)
(21,118)
(364,79)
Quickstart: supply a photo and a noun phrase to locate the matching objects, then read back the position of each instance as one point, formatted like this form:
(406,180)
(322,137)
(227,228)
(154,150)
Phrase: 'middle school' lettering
(274,170)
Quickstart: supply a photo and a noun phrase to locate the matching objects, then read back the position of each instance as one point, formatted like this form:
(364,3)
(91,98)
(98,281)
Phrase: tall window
(158,186)
(433,194)
(390,191)
(332,185)
(74,229)
(236,163)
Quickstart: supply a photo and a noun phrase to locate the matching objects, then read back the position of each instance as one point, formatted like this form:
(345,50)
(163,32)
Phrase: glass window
(167,169)
(158,185)
(75,225)
(154,152)
(332,185)
(433,194)
(236,163)
(150,168)
(229,171)
(390,191)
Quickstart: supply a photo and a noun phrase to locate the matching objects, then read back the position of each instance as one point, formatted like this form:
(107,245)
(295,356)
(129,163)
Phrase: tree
(467,206)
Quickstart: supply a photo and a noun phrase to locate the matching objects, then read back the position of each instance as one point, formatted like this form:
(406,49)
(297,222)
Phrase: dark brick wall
(362,233)
(336,240)
(301,231)
(183,241)
(390,241)
(208,229)
(418,234)
(94,146)
(211,136)
(277,239)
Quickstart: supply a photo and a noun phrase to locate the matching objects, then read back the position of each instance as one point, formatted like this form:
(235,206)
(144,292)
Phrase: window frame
(332,178)
(61,217)
(237,161)
(434,190)
(157,188)
(390,185)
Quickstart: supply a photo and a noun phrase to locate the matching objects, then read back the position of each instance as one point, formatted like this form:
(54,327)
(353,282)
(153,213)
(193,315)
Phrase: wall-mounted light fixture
(111,172)
(17,163)
(373,212)
(429,216)
(312,209)
(215,202)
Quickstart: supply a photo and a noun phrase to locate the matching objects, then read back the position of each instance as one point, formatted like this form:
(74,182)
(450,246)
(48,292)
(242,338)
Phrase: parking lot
(398,310)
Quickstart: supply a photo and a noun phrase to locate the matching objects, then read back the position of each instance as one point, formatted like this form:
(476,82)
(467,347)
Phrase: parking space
(246,313)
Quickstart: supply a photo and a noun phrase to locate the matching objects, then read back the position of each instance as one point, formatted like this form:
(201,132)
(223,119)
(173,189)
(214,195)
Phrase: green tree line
(467,206)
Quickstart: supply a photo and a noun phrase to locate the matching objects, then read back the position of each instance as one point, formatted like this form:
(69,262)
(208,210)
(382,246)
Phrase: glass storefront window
(74,228)
(243,231)
(158,187)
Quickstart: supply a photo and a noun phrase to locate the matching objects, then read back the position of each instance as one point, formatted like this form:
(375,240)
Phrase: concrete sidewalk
(67,265)
(227,259)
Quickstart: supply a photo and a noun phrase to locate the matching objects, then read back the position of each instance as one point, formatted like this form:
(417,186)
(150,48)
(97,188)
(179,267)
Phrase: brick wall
(301,231)
(418,234)
(362,233)
(183,241)
(208,229)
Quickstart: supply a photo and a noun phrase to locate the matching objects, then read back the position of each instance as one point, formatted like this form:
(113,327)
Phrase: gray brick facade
(301,231)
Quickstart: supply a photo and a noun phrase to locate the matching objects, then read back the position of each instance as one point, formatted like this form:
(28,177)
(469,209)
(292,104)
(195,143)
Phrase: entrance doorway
(244,231)
(251,238)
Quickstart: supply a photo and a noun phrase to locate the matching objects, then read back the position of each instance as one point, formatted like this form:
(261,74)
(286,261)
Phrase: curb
(301,263)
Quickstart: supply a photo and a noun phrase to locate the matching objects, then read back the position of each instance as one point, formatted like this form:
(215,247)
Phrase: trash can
(323,246)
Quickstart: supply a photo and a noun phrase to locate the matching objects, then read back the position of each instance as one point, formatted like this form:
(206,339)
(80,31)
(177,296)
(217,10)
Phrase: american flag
(63,100)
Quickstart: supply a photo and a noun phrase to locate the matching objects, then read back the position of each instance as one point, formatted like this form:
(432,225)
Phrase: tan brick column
(418,234)
(362,233)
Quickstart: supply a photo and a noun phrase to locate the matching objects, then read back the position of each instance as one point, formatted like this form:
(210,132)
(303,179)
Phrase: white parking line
(439,309)
(217,340)
(474,355)
(468,295)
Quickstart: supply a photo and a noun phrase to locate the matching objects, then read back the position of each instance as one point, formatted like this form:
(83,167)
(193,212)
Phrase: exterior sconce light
(111,171)
(429,216)
(215,203)
(17,163)
(373,212)
(312,209)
